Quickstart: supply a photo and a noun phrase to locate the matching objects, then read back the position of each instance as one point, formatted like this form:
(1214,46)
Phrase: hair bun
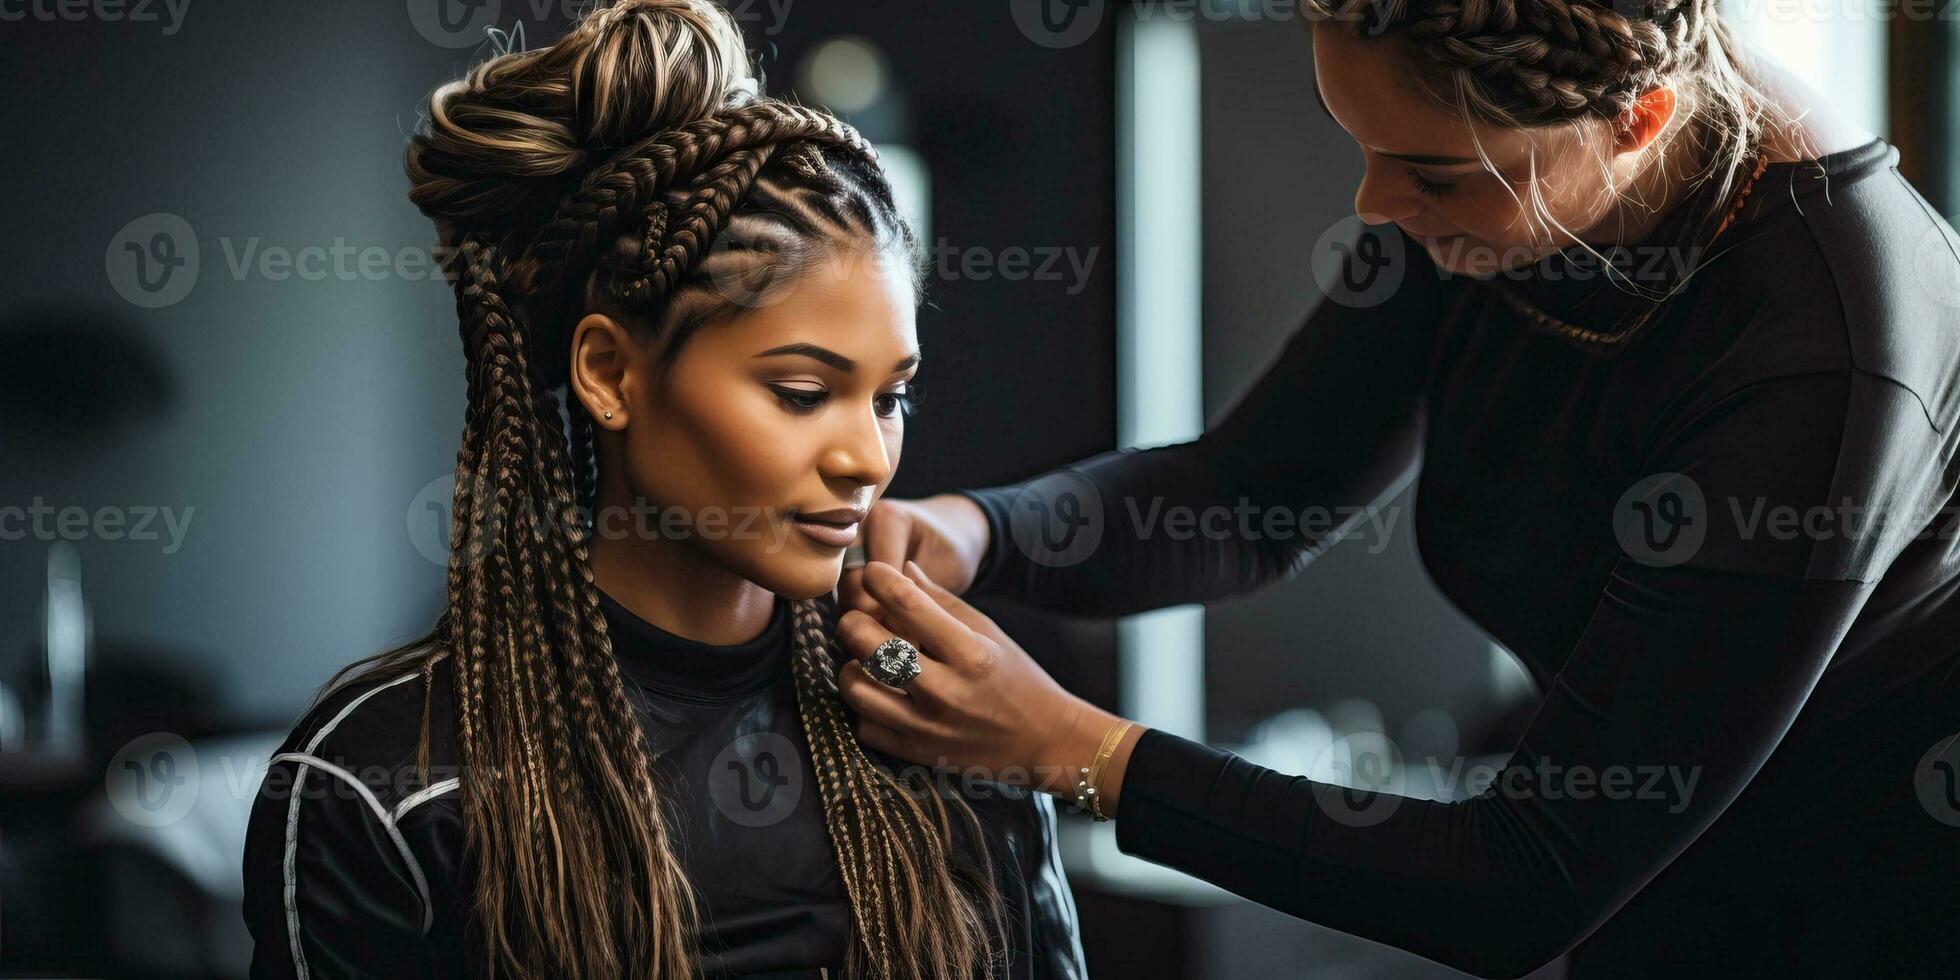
(502,143)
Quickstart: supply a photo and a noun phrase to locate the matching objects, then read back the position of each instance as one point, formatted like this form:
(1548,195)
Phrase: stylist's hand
(979,704)
(947,535)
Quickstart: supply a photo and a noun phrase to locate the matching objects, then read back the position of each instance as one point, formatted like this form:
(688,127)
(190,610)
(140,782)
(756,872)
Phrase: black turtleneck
(743,800)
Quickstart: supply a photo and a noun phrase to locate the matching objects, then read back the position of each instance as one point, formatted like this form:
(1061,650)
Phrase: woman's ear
(1644,121)
(601,351)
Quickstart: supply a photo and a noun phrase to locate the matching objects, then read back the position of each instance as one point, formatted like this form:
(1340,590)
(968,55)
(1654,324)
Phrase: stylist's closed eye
(1428,186)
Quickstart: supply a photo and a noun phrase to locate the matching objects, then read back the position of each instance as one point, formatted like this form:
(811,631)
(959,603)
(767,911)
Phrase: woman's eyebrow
(1416,158)
(830,357)
(1430,161)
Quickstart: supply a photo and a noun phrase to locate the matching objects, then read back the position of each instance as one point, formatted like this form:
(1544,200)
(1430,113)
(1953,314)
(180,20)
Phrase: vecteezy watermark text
(156,260)
(1060,520)
(1664,519)
(1041,263)
(169,13)
(465,23)
(431,530)
(42,521)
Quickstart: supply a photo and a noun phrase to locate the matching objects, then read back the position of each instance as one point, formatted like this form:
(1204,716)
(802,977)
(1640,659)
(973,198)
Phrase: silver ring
(894,664)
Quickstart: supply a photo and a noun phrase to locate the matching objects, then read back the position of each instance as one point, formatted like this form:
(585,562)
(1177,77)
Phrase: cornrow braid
(659,184)
(1535,62)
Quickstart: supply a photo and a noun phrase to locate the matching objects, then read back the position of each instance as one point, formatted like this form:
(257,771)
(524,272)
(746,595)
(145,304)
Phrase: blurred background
(231,393)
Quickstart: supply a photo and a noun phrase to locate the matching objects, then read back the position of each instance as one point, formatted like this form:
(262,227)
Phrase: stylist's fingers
(887,532)
(974,619)
(885,536)
(851,594)
(860,636)
(875,702)
(878,736)
(912,613)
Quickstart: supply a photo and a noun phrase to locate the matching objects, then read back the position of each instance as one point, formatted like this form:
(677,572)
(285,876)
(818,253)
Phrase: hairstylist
(1674,360)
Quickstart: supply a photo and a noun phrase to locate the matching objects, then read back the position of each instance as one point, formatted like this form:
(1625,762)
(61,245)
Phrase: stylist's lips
(834,528)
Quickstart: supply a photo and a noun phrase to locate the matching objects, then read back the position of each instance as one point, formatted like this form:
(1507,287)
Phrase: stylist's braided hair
(630,167)
(1532,63)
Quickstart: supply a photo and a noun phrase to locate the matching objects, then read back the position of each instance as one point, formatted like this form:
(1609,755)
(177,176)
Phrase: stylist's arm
(979,704)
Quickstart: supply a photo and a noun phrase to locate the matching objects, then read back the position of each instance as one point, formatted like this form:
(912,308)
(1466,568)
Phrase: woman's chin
(802,578)
(1460,255)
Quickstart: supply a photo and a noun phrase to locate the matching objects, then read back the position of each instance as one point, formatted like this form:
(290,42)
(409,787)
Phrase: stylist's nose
(1384,197)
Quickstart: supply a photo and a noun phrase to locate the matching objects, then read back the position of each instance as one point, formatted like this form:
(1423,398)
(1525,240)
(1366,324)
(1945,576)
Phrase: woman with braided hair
(1673,362)
(621,751)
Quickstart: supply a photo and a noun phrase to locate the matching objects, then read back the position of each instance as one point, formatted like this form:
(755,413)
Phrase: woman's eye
(905,400)
(800,400)
(1425,186)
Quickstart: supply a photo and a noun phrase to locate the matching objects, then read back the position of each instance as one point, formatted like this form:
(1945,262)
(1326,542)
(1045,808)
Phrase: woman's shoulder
(365,734)
(1843,267)
(349,847)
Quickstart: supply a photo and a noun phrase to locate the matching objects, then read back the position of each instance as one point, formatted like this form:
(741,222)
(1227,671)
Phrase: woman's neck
(1653,193)
(1799,125)
(677,586)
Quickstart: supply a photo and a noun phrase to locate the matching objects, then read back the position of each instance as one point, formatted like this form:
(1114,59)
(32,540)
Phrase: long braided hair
(631,167)
(1537,63)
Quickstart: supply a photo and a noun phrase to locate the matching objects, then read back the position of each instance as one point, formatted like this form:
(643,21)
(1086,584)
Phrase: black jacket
(361,872)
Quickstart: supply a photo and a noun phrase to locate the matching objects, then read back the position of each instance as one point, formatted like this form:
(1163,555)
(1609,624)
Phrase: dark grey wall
(297,421)
(1362,620)
(305,414)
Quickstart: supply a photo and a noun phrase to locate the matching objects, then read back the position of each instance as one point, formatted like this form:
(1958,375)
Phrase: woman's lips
(831,535)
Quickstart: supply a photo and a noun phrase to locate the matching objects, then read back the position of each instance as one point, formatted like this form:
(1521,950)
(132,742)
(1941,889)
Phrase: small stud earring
(609,415)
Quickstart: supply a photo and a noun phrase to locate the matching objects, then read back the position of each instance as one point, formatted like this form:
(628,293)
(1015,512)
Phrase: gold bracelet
(1087,795)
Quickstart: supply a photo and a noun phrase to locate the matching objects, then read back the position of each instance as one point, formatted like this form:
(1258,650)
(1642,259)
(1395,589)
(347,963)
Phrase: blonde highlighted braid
(631,166)
(1536,62)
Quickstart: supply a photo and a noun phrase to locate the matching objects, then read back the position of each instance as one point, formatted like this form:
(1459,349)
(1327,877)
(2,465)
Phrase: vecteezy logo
(453,23)
(1937,780)
(1357,264)
(1361,769)
(1058,23)
(756,780)
(152,780)
(754,267)
(152,261)
(1661,520)
(1057,520)
(431,521)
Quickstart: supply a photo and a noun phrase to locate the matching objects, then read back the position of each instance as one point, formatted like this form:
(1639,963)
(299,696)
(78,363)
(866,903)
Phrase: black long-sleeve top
(1664,531)
(355,869)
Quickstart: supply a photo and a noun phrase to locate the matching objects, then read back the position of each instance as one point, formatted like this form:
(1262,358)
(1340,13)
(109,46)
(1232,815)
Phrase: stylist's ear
(599,377)
(1644,121)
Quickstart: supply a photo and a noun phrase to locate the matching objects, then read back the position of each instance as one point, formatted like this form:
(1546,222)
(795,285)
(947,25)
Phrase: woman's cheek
(770,459)
(895,443)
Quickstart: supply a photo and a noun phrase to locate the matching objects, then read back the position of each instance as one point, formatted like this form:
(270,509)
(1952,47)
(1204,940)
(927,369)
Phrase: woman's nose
(1383,198)
(858,450)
